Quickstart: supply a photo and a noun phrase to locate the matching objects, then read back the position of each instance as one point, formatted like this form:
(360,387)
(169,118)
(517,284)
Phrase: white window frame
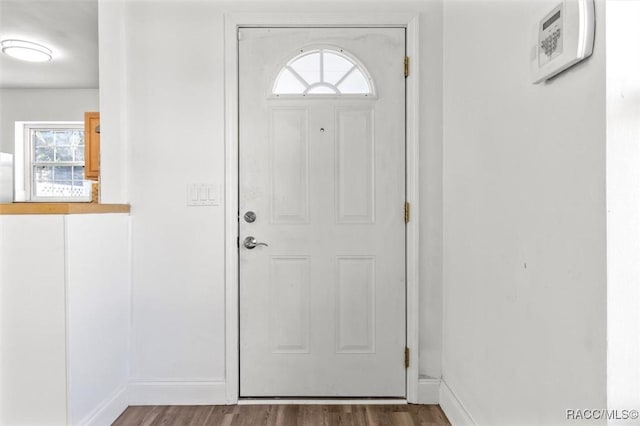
(23,164)
(336,50)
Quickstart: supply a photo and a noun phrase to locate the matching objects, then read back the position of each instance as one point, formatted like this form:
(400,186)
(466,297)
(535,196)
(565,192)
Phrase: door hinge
(407,212)
(406,357)
(406,66)
(238,242)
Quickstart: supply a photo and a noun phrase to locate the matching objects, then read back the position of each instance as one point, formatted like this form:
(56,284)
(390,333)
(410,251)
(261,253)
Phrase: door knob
(251,243)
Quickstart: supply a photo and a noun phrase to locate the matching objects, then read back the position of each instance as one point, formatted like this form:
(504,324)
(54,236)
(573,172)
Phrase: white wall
(114,149)
(41,104)
(33,318)
(99,308)
(524,221)
(65,318)
(623,206)
(431,191)
(170,132)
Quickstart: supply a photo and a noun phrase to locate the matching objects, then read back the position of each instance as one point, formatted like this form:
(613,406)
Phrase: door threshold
(322,401)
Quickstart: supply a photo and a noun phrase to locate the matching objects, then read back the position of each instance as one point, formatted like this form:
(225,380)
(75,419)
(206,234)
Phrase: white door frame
(235,21)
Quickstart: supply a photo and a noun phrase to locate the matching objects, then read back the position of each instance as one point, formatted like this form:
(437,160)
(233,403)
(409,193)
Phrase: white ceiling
(68,27)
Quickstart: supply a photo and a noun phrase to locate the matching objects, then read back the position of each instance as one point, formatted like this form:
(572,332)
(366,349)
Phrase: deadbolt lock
(250,217)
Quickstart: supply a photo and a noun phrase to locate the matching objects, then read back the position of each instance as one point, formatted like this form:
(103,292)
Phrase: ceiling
(68,27)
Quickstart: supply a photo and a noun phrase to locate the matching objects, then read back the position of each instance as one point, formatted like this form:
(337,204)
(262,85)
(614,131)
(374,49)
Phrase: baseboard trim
(107,412)
(177,393)
(428,391)
(453,408)
(303,401)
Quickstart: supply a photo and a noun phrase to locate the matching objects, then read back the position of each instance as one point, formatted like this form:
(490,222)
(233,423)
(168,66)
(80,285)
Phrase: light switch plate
(203,194)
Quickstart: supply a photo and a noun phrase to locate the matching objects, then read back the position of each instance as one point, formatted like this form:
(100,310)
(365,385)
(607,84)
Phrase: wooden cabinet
(92,145)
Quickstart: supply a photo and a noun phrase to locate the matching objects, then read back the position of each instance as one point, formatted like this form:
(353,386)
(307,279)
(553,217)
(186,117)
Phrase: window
(50,162)
(323,72)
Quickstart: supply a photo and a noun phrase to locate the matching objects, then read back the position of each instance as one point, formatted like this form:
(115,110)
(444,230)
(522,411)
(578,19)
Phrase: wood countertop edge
(62,208)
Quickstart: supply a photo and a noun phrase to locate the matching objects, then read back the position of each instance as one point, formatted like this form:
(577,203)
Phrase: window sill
(63,208)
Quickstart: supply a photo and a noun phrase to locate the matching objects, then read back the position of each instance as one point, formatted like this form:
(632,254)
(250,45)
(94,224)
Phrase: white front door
(322,182)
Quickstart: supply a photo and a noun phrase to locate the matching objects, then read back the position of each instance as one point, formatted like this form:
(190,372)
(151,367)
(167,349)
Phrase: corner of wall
(109,410)
(453,408)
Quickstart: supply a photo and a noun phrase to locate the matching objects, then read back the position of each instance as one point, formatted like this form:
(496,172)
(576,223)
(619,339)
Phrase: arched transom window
(323,72)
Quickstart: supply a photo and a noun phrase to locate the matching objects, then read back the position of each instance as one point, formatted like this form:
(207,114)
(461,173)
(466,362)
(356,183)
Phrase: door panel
(355,161)
(322,307)
(290,157)
(355,304)
(289,304)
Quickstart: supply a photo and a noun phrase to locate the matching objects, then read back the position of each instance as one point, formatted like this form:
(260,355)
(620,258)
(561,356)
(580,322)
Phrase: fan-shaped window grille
(323,72)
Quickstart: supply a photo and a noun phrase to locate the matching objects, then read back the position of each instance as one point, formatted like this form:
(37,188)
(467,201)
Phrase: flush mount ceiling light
(26,50)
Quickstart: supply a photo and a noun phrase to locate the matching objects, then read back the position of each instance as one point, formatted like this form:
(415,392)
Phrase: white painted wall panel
(175,118)
(32,310)
(430,190)
(99,304)
(65,287)
(115,151)
(623,207)
(524,221)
